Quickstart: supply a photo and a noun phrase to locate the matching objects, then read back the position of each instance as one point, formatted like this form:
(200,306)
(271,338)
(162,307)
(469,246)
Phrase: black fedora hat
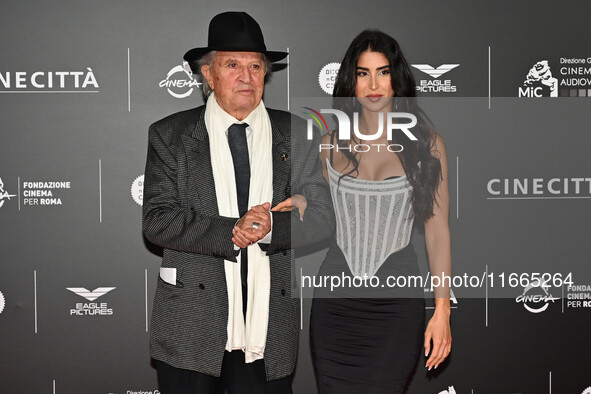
(234,31)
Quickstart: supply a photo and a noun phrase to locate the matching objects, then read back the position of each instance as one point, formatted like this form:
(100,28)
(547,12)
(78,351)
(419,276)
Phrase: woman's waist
(404,260)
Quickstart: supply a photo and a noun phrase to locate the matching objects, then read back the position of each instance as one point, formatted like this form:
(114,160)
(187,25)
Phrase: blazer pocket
(169,276)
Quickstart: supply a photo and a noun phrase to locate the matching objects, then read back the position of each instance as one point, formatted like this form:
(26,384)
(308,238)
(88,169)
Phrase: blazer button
(201,286)
(283,292)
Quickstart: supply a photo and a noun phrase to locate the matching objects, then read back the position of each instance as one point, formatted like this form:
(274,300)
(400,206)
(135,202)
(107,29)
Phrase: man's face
(238,79)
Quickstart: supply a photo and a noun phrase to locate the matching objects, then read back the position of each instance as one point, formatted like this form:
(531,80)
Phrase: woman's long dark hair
(425,178)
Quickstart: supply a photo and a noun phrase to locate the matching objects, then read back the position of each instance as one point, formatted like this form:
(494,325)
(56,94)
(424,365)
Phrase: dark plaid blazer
(180,213)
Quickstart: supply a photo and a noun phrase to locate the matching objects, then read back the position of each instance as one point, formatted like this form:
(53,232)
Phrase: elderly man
(226,313)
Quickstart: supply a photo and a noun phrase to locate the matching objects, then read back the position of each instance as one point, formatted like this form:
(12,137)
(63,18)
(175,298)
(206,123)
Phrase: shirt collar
(226,120)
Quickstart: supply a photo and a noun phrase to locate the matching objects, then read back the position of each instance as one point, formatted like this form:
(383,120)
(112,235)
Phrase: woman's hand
(297,201)
(439,332)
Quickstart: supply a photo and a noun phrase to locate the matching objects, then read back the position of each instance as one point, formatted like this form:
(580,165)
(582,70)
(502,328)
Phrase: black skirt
(368,343)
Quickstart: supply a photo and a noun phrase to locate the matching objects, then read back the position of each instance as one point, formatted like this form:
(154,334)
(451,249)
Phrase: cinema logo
(91,308)
(44,193)
(568,77)
(4,195)
(49,81)
(179,81)
(578,296)
(536,298)
(392,123)
(436,85)
(538,188)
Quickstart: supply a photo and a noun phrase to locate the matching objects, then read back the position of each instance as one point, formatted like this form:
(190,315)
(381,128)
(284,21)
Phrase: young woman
(368,340)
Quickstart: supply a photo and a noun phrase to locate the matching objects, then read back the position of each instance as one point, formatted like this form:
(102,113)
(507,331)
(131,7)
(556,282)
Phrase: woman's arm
(437,239)
(298,201)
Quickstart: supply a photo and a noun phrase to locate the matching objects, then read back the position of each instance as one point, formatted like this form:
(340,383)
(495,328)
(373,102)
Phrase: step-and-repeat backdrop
(506,84)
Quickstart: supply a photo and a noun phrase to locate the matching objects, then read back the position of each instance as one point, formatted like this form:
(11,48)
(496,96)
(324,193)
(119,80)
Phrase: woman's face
(374,87)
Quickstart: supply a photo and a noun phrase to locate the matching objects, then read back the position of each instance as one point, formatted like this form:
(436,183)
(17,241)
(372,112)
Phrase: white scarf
(252,337)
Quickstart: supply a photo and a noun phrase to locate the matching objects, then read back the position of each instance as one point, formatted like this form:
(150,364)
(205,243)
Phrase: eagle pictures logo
(91,308)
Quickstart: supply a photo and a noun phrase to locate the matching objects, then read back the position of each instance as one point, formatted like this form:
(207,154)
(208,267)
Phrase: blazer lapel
(281,162)
(201,185)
